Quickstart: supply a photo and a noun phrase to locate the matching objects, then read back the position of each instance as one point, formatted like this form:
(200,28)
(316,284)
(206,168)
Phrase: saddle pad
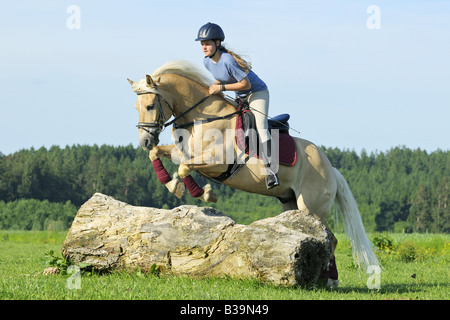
(287,146)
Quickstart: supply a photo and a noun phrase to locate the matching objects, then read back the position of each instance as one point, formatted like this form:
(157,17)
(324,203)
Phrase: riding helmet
(210,31)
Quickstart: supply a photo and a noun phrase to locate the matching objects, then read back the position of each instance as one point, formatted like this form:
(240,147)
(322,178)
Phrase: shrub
(383,242)
(407,252)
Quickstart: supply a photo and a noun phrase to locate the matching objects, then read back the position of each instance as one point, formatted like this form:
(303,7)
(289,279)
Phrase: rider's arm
(242,85)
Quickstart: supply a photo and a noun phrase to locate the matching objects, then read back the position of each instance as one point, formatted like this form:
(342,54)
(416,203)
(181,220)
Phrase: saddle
(246,126)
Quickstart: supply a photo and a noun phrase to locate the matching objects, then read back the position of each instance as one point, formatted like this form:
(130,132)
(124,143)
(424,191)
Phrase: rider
(232,73)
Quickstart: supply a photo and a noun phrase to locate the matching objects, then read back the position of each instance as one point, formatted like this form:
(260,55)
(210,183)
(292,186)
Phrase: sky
(354,74)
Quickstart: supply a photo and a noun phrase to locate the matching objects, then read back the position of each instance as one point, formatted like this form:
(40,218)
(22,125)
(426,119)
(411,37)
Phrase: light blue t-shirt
(228,71)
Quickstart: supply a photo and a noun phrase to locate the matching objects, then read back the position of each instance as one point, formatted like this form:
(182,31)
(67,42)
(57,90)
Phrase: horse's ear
(130,81)
(150,81)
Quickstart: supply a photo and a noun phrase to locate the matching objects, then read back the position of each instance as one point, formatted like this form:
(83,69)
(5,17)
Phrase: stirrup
(272,180)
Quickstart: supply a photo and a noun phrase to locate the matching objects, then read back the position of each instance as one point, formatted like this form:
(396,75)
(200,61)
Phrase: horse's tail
(362,248)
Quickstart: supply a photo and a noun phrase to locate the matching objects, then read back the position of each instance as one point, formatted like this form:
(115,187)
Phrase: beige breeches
(259,104)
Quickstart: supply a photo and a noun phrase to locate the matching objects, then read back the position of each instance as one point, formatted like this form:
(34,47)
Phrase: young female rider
(232,73)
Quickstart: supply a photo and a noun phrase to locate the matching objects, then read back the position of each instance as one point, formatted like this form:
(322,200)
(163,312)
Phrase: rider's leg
(266,154)
(259,104)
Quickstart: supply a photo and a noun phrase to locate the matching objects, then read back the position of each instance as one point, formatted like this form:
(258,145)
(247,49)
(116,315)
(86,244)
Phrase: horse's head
(154,109)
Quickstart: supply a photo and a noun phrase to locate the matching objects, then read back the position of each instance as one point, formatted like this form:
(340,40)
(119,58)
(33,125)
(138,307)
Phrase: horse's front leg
(205,194)
(174,185)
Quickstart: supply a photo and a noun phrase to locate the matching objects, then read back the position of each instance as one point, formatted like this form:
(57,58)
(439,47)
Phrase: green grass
(418,272)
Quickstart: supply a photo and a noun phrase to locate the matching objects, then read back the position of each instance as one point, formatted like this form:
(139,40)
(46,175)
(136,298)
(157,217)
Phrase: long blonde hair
(245,65)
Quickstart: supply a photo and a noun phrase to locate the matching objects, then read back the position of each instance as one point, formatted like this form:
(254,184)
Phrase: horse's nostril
(146,142)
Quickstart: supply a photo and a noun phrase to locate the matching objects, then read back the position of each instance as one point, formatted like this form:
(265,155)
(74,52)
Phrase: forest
(400,190)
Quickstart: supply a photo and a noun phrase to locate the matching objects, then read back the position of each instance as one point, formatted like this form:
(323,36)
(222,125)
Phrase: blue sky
(344,85)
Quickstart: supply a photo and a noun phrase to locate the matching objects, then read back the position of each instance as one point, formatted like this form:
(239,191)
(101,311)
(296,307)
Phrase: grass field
(415,266)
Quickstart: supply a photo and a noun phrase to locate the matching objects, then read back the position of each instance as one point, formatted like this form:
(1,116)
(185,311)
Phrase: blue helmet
(210,31)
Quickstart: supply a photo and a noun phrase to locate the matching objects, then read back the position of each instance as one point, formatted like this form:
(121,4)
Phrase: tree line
(400,190)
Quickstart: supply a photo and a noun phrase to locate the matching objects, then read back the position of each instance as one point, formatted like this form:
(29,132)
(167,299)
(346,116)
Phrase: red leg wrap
(193,187)
(161,172)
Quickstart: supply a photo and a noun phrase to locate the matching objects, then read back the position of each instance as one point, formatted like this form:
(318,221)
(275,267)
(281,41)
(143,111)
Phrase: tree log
(289,249)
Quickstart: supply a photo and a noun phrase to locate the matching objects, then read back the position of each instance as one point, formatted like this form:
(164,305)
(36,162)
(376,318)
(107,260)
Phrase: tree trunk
(289,249)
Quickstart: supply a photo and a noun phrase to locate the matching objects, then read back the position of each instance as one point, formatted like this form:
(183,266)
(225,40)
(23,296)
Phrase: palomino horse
(204,123)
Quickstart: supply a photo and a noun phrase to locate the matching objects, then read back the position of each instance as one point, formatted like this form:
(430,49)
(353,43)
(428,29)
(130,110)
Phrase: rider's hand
(215,89)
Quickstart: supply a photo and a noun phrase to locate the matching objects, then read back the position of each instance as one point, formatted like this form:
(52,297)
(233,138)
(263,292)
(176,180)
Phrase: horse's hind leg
(319,201)
(290,205)
(322,210)
(330,274)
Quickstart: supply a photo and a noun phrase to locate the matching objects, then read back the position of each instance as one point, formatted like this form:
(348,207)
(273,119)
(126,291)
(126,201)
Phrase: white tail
(353,226)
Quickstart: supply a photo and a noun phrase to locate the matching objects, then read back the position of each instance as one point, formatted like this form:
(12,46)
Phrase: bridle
(160,123)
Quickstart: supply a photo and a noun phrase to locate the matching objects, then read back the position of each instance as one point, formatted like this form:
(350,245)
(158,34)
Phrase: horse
(203,127)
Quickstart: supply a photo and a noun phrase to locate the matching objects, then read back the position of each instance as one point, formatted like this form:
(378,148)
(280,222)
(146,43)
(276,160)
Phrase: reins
(207,120)
(161,125)
(186,112)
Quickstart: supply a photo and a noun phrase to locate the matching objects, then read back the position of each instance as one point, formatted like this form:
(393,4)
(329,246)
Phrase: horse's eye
(149,107)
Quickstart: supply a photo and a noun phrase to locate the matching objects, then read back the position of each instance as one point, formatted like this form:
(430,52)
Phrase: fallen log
(289,249)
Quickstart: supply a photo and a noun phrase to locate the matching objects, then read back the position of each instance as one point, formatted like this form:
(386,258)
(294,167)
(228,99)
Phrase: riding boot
(272,178)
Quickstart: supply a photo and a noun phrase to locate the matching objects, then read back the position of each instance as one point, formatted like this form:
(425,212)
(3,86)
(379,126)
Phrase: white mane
(180,67)
(183,68)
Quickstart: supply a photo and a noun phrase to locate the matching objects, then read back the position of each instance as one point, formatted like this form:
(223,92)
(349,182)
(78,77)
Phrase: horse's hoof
(176,187)
(209,195)
(332,283)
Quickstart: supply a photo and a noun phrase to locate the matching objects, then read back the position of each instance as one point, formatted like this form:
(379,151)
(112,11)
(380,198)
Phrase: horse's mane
(183,68)
(180,67)
(189,70)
